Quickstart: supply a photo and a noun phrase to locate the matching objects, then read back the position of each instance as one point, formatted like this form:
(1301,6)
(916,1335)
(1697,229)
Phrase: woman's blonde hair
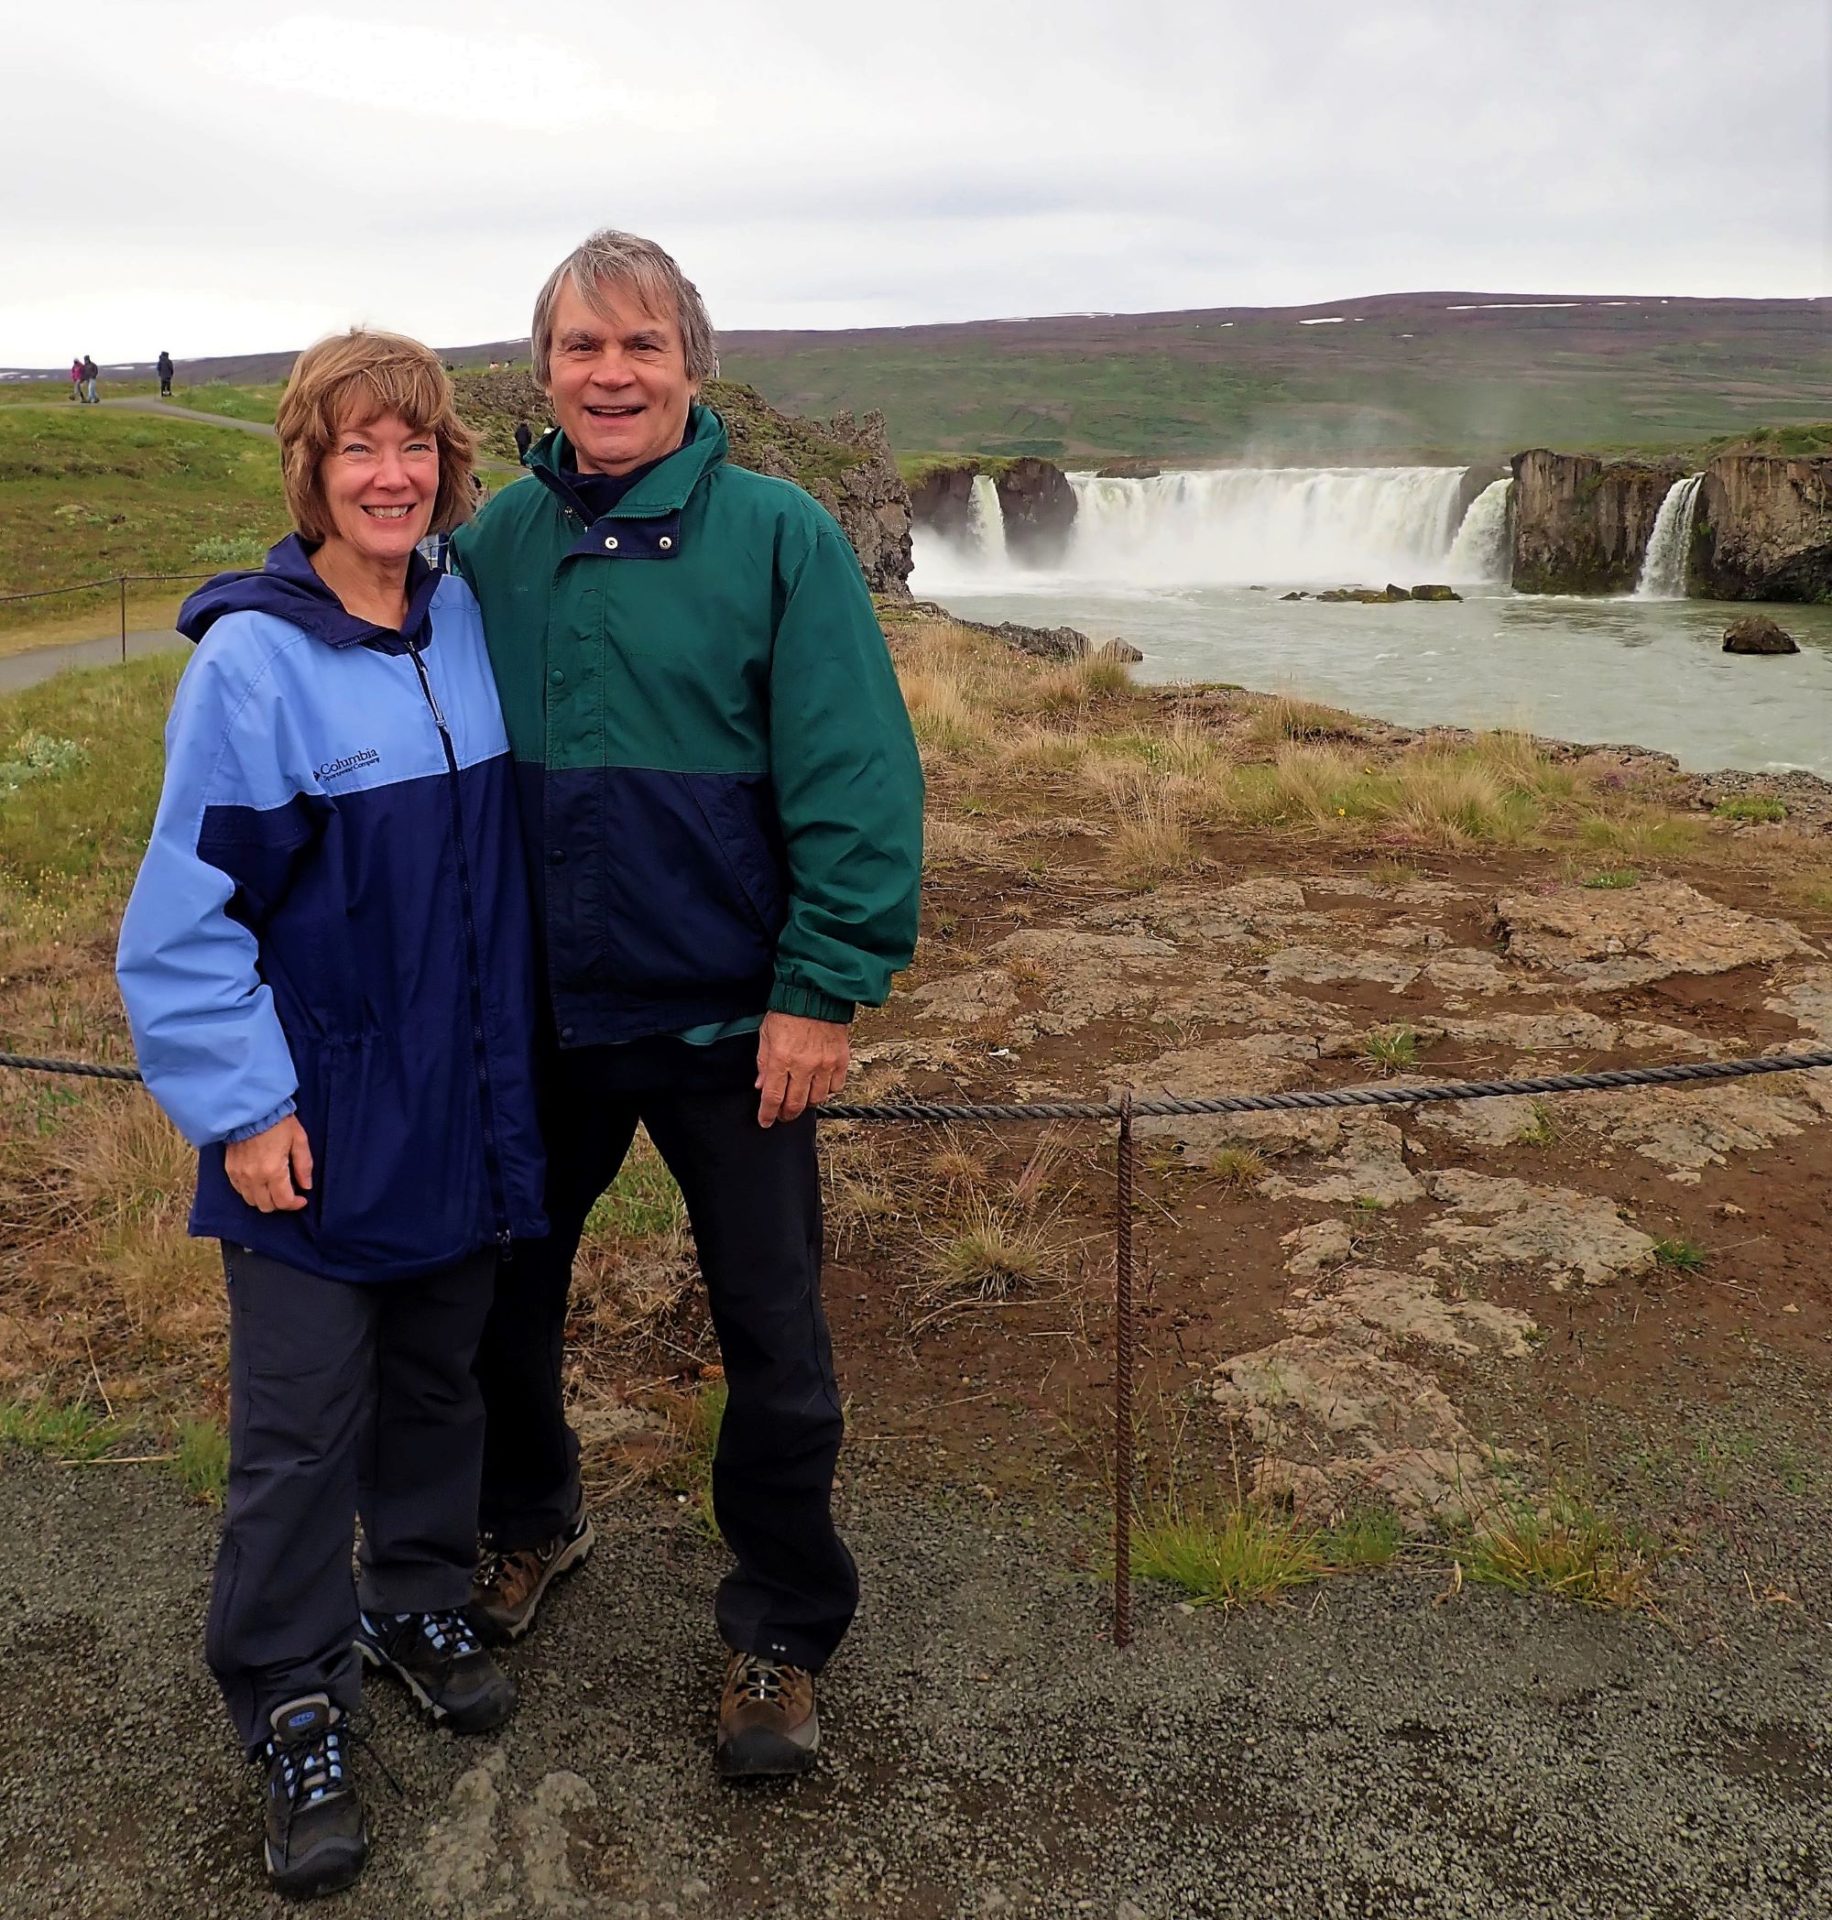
(349,380)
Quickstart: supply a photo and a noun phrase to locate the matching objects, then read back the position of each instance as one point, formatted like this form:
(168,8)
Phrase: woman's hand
(800,1063)
(272,1171)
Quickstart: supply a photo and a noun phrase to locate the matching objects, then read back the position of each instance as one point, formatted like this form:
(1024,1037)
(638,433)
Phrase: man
(165,374)
(724,808)
(91,373)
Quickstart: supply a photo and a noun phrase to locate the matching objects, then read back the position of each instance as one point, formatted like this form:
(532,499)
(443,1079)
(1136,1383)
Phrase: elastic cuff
(787,997)
(281,1112)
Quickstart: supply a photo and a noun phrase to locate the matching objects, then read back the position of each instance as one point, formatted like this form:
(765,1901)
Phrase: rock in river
(1757,633)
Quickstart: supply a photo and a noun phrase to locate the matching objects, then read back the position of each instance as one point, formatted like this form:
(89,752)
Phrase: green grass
(202,1460)
(1566,1548)
(86,494)
(1369,1538)
(1413,382)
(237,403)
(1613,878)
(641,1202)
(1680,1256)
(696,1419)
(1751,806)
(58,1432)
(1391,1049)
(1224,1556)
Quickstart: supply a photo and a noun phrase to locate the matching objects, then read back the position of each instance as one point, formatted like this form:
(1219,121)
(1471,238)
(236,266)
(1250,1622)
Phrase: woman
(327,964)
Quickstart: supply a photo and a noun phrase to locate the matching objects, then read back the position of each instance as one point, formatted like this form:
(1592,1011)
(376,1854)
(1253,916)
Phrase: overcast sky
(215,177)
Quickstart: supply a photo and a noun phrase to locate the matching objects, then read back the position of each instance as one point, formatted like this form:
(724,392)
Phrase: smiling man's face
(618,380)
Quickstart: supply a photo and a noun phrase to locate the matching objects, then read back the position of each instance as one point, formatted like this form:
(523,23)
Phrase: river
(1161,563)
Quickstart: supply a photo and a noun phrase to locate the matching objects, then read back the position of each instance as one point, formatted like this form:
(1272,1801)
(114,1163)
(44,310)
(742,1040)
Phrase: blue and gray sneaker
(316,1840)
(443,1664)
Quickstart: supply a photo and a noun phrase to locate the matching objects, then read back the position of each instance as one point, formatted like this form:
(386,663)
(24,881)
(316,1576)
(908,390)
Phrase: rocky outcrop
(1763,530)
(1757,633)
(1047,643)
(846,464)
(941,495)
(1581,525)
(1039,508)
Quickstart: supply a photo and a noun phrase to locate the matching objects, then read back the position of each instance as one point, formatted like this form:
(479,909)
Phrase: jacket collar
(663,489)
(288,587)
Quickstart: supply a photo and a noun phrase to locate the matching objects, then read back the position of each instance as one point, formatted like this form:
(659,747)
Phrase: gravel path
(1369,1750)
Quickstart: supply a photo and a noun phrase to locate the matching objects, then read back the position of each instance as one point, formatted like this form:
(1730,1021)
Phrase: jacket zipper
(486,1097)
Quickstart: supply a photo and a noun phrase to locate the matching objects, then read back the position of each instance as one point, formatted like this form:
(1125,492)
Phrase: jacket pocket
(692,895)
(402,1181)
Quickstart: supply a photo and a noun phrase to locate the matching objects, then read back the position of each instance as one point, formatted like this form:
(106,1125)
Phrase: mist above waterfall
(1244,526)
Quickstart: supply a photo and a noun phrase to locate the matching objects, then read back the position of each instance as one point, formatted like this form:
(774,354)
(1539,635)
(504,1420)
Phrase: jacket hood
(664,488)
(287,587)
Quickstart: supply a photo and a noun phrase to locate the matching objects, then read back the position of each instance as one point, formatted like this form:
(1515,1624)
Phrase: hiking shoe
(316,1839)
(767,1722)
(509,1585)
(443,1664)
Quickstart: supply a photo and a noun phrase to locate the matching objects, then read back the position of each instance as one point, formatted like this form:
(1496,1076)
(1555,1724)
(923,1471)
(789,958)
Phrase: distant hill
(1414,375)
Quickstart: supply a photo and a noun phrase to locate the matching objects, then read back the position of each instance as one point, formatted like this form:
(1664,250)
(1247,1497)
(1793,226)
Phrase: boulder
(1757,633)
(1294,596)
(1436,593)
(1039,508)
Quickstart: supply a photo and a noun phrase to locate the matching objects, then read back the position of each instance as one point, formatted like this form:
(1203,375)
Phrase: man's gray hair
(613,259)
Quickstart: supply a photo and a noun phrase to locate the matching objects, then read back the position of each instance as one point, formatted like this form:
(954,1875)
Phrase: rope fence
(120,581)
(1126,1109)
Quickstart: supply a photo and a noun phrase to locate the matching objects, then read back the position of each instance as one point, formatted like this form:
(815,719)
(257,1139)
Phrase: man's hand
(799,1064)
(272,1170)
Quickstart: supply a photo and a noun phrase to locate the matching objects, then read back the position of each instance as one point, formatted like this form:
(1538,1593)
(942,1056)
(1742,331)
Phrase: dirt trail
(1369,1750)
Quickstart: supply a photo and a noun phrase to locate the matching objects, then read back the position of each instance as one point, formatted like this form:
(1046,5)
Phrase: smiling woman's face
(380,481)
(618,380)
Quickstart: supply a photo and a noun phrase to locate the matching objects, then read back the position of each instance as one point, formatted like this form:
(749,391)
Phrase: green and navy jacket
(332,920)
(719,785)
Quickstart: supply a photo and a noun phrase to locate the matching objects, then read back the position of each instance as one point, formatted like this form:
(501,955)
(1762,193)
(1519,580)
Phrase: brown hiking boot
(767,1722)
(508,1586)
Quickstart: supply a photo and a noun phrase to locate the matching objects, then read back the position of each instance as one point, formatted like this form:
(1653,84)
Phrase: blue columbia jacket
(333,919)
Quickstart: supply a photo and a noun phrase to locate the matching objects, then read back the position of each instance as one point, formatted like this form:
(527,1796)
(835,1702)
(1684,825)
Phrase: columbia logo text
(362,757)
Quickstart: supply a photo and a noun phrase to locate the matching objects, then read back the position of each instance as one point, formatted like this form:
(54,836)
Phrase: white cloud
(213,176)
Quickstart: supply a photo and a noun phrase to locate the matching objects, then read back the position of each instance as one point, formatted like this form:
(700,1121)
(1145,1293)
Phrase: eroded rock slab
(1340,1424)
(1499,1222)
(1605,938)
(1374,1304)
(1368,1165)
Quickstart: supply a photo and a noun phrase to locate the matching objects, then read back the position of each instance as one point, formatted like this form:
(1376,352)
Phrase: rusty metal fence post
(123,584)
(1122,1381)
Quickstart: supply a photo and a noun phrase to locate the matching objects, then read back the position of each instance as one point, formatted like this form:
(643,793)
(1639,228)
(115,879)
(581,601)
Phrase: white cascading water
(986,523)
(1663,572)
(1480,550)
(1243,526)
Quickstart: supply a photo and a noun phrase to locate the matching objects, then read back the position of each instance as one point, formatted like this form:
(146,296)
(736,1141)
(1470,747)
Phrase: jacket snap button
(610,543)
(566,1033)
(557,677)
(664,543)
(558,856)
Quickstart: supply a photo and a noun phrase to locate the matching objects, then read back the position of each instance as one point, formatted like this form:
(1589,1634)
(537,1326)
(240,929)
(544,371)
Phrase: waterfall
(1339,526)
(986,523)
(1480,550)
(1237,527)
(1663,572)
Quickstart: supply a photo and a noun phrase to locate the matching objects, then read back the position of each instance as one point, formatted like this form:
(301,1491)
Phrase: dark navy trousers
(345,1400)
(754,1201)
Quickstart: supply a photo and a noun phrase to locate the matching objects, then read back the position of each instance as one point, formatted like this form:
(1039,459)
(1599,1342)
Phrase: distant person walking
(165,375)
(91,373)
(76,379)
(524,439)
